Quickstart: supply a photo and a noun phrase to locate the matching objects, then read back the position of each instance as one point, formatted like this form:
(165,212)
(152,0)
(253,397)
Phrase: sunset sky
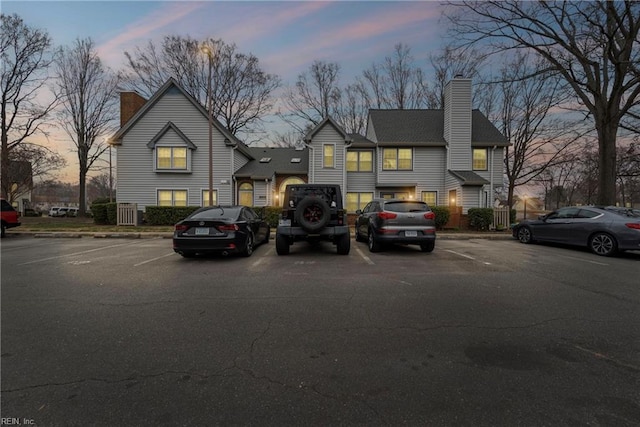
(286,36)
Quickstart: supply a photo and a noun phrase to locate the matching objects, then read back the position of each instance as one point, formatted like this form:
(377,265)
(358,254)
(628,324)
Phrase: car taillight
(430,215)
(181,227)
(634,225)
(228,227)
(387,215)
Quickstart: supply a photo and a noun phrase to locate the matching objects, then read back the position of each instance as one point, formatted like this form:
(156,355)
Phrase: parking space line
(76,253)
(153,259)
(259,260)
(366,258)
(584,260)
(459,254)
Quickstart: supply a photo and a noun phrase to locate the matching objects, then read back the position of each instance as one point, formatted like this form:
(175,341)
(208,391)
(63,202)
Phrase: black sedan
(603,229)
(220,229)
(396,221)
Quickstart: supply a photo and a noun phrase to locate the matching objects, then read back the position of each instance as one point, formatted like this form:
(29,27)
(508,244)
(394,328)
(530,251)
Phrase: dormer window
(171,158)
(171,150)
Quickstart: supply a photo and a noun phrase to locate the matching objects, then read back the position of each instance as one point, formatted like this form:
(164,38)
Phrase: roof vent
(265,160)
(296,160)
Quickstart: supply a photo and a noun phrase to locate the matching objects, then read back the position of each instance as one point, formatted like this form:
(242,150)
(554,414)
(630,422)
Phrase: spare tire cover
(312,213)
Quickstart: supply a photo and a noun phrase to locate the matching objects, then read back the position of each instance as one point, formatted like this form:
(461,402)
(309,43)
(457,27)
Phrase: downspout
(493,154)
(311,172)
(233,175)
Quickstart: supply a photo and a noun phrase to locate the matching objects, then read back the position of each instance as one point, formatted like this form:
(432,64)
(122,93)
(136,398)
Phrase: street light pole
(525,207)
(206,49)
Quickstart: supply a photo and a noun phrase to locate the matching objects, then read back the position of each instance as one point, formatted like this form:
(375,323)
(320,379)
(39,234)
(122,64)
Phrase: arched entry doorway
(283,185)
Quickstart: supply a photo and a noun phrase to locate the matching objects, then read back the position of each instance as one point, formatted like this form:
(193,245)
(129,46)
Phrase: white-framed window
(205,197)
(360,161)
(171,158)
(480,159)
(328,156)
(397,159)
(172,197)
(357,201)
(245,194)
(430,198)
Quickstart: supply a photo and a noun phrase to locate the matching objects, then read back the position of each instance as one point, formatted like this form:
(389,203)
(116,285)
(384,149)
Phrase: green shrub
(480,218)
(270,214)
(105,213)
(512,216)
(442,216)
(167,215)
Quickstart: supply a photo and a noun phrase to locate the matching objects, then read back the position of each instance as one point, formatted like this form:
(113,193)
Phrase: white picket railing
(127,214)
(501,217)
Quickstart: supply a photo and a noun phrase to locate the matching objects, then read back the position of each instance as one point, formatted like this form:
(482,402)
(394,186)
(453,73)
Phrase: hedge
(480,218)
(167,215)
(442,216)
(105,213)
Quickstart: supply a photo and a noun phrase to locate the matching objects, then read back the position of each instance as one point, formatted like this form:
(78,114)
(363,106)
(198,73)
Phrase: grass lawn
(46,223)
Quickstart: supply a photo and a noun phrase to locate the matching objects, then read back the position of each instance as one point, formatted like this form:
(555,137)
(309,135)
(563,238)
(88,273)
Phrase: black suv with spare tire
(313,212)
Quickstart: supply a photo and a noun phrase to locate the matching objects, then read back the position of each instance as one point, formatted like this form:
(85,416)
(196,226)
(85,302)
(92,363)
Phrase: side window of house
(430,197)
(357,201)
(172,197)
(480,159)
(205,197)
(245,194)
(328,156)
(360,161)
(171,158)
(397,159)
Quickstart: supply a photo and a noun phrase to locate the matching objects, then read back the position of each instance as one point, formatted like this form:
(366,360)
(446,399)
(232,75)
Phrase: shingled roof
(426,128)
(269,161)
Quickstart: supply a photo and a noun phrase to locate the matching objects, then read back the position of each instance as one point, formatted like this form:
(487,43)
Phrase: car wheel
(248,247)
(603,244)
(358,236)
(267,236)
(282,245)
(313,213)
(428,247)
(374,245)
(524,235)
(344,244)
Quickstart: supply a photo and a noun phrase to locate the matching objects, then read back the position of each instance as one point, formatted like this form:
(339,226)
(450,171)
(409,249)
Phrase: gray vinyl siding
(458,123)
(137,182)
(360,182)
(321,175)
(261,190)
(428,171)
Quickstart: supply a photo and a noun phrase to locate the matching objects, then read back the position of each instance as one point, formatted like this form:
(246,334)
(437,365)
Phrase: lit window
(430,197)
(359,161)
(245,194)
(357,201)
(289,181)
(172,197)
(328,156)
(397,159)
(479,159)
(205,197)
(171,158)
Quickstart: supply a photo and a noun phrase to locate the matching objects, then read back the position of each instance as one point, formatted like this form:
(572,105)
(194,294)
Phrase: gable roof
(164,130)
(328,120)
(280,162)
(426,128)
(360,141)
(169,86)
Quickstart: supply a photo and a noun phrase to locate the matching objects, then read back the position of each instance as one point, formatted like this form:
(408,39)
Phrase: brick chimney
(130,104)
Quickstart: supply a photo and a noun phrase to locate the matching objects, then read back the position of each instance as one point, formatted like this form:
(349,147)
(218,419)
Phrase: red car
(9,216)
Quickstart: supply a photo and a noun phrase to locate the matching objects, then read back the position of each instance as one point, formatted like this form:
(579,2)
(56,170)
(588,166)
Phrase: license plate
(202,231)
(411,234)
(285,222)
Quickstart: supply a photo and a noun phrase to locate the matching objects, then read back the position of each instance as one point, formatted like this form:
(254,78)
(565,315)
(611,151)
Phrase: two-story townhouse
(451,157)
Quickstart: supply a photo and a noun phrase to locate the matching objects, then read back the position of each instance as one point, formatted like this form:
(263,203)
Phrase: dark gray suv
(313,212)
(396,221)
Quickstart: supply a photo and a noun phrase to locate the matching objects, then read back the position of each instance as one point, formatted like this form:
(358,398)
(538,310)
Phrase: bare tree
(241,90)
(315,96)
(353,113)
(449,63)
(90,105)
(25,56)
(594,46)
(526,98)
(100,186)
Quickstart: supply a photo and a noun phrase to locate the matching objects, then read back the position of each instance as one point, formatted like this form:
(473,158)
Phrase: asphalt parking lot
(480,332)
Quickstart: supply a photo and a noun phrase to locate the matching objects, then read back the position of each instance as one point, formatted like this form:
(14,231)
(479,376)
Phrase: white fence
(501,217)
(127,214)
